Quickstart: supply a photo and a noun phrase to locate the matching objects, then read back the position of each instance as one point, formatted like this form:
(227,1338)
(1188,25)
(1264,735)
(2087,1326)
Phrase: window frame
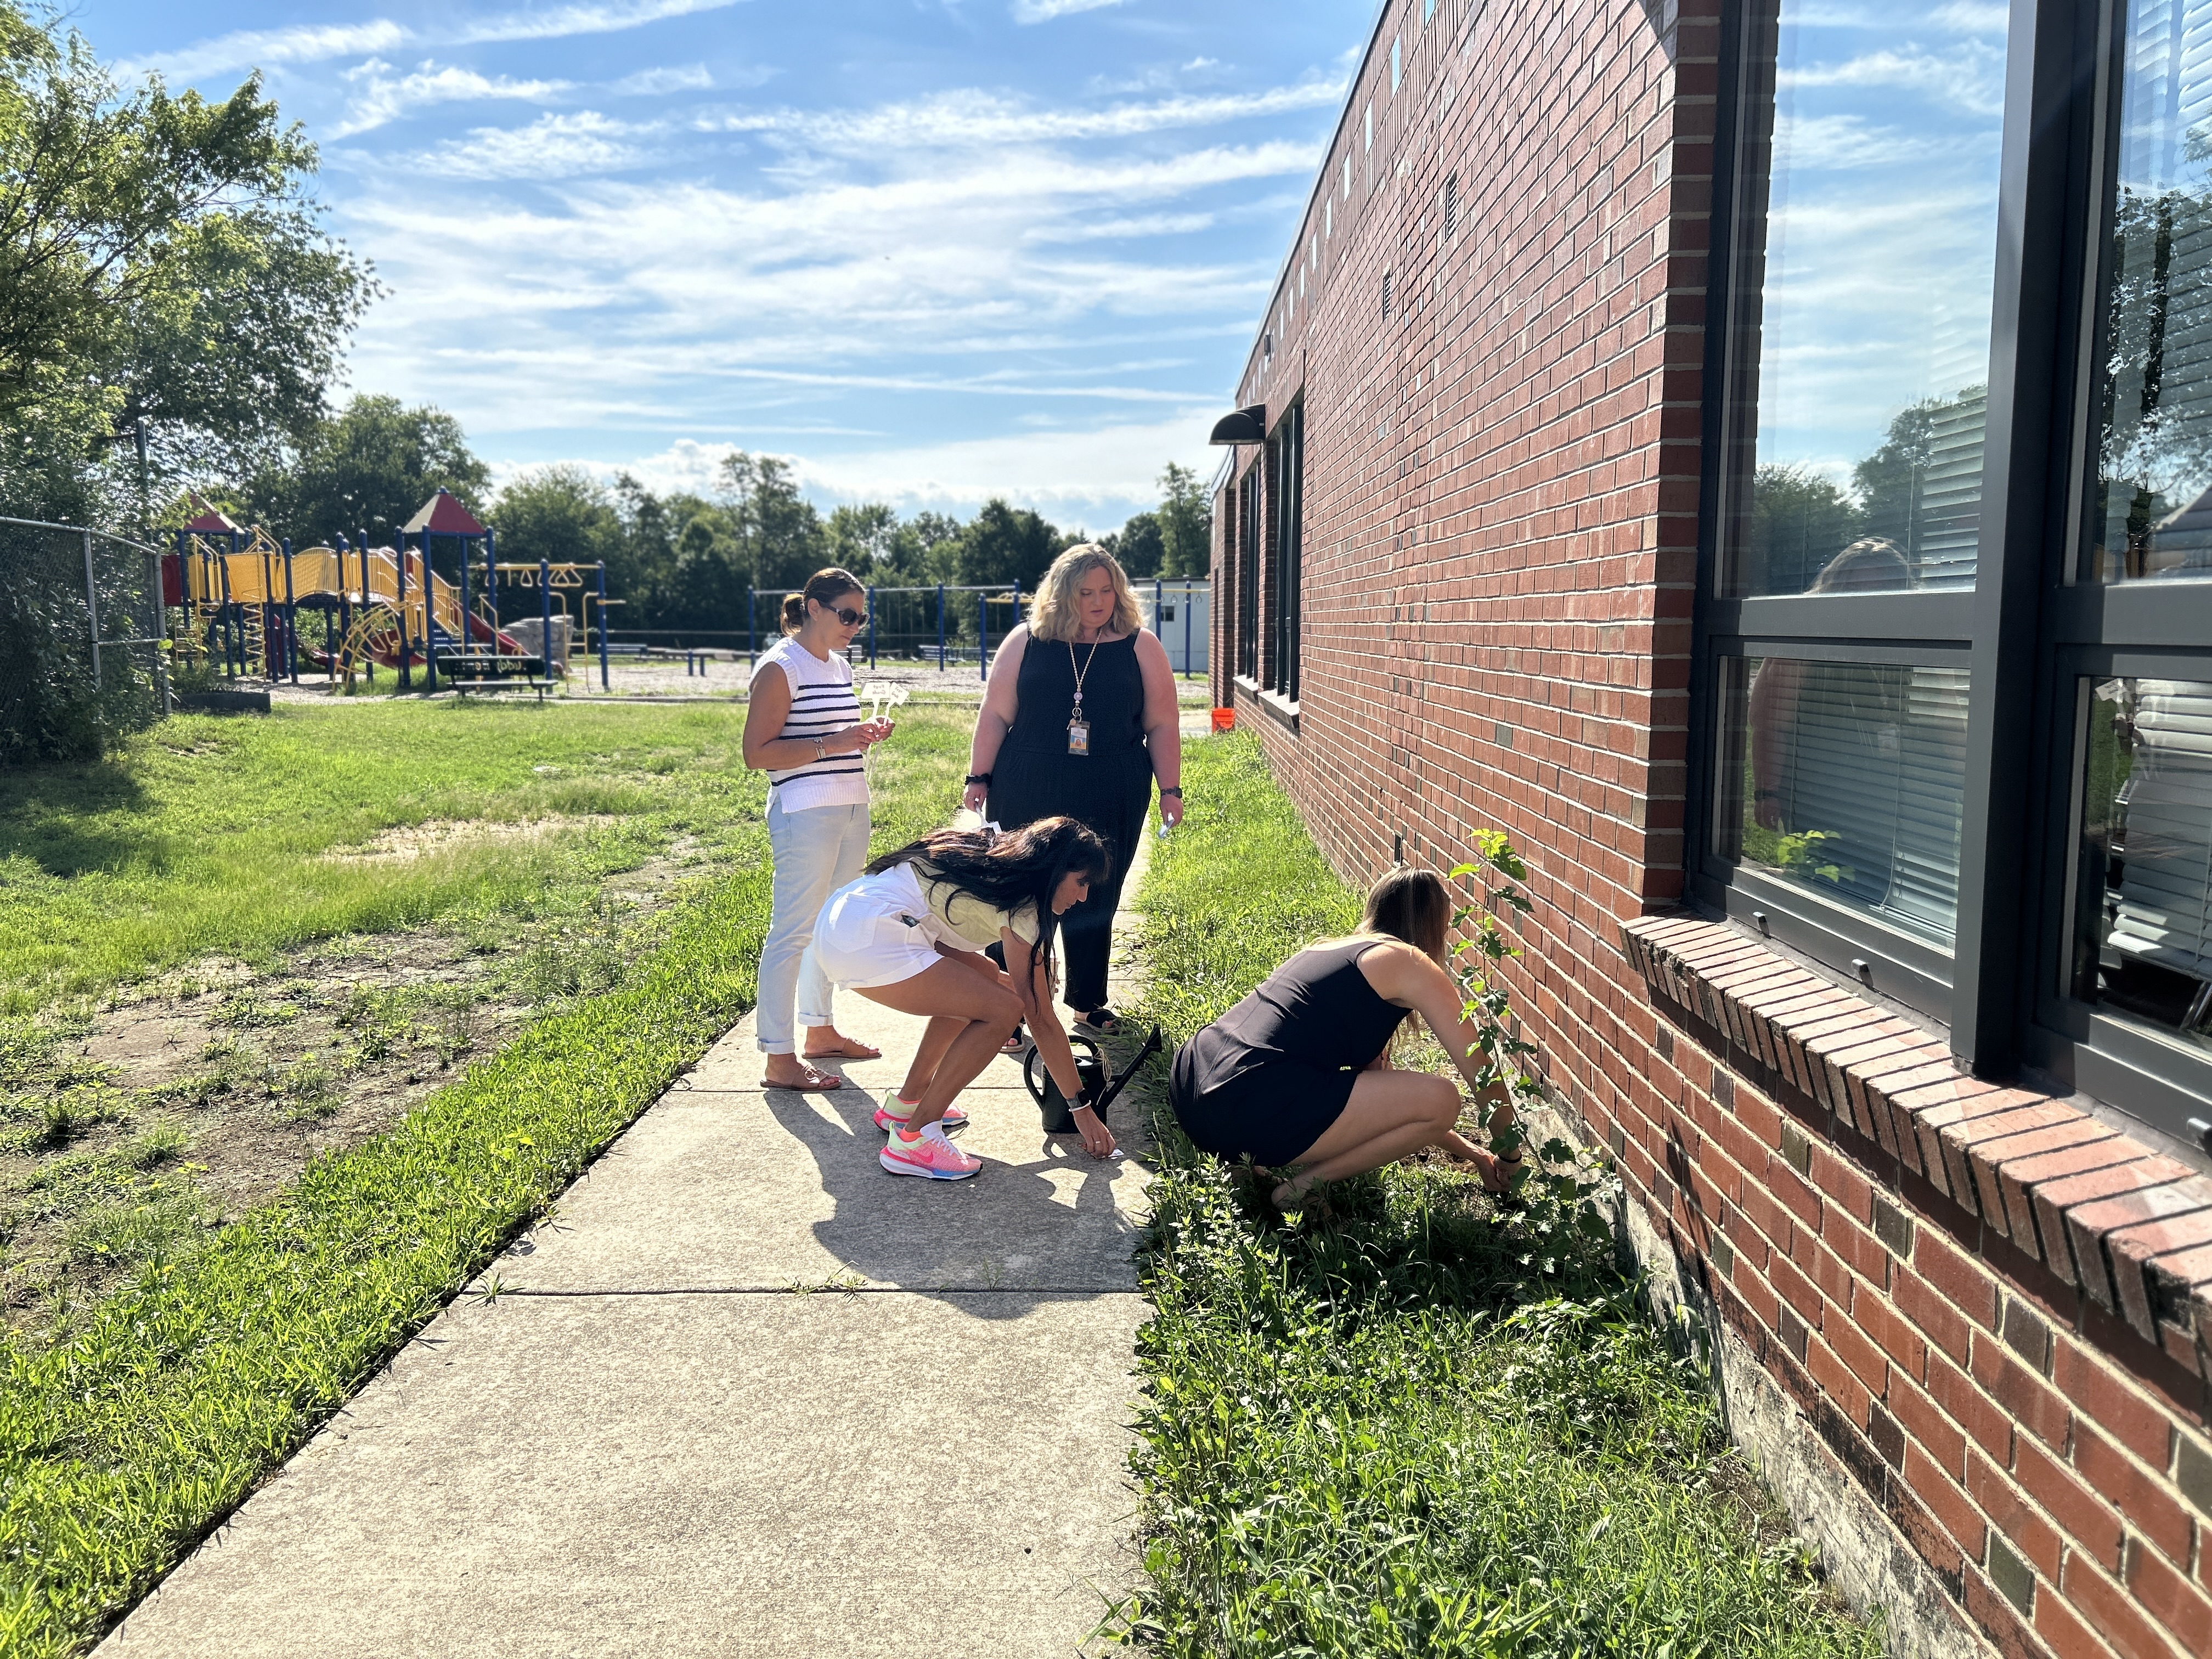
(2028,630)
(1285,461)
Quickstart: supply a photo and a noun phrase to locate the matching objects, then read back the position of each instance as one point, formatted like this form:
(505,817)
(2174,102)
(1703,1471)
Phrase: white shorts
(877,931)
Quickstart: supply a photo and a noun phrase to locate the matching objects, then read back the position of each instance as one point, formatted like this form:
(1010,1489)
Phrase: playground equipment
(239,596)
(913,624)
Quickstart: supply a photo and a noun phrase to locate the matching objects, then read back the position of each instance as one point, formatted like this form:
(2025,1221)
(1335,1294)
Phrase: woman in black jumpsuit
(1035,757)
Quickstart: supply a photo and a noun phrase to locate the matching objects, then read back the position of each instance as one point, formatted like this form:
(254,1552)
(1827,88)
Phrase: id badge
(1079,737)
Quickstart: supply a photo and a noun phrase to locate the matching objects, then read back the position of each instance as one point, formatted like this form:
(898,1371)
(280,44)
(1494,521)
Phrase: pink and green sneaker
(928,1154)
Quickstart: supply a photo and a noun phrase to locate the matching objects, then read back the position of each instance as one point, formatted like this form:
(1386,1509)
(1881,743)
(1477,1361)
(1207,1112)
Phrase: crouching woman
(1298,1074)
(910,934)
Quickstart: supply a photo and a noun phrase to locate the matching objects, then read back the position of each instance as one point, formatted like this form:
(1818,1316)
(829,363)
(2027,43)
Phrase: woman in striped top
(803,728)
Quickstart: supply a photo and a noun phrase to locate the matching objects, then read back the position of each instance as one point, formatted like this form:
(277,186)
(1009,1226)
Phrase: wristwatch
(1176,792)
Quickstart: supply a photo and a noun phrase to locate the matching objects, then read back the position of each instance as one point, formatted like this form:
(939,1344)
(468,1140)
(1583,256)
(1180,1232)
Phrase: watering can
(1101,1084)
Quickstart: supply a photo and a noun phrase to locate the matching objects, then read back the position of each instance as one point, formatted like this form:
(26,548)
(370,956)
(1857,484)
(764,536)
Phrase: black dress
(1109,790)
(1266,1080)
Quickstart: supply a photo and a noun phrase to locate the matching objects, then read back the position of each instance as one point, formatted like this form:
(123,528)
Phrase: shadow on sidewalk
(994,1245)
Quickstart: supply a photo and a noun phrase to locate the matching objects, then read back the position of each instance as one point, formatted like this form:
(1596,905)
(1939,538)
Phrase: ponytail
(823,588)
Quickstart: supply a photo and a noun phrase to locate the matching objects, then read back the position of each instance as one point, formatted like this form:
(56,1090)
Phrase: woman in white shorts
(910,934)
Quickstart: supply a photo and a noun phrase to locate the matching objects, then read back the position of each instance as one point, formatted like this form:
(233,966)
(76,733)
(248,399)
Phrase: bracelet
(983,778)
(1176,792)
(820,748)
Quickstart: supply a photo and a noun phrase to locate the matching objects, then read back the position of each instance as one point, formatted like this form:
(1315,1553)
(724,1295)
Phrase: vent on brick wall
(1451,205)
(1386,296)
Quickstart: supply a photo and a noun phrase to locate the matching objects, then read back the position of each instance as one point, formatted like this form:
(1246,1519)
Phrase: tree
(1005,543)
(1798,521)
(863,539)
(1138,545)
(778,535)
(1186,521)
(369,469)
(158,261)
(558,513)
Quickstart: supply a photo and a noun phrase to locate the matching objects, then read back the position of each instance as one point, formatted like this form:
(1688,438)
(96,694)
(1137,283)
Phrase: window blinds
(2165,876)
(1875,773)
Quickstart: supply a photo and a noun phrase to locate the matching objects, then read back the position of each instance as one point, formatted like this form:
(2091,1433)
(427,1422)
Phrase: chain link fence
(82,621)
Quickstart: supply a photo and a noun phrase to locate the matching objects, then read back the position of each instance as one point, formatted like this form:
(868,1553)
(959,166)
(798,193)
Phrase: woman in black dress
(1078,719)
(1300,1074)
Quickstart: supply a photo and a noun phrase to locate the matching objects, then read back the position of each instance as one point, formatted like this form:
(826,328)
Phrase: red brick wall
(1500,538)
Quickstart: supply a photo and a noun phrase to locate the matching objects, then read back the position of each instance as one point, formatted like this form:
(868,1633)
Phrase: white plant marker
(879,692)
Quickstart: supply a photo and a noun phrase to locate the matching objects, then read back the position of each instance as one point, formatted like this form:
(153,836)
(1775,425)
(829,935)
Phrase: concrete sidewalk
(743,1393)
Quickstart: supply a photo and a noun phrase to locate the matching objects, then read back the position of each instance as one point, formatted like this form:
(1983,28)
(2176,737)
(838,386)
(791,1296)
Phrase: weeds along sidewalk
(1430,1427)
(135,1433)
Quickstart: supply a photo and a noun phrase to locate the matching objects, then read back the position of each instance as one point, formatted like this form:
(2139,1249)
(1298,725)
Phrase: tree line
(173,315)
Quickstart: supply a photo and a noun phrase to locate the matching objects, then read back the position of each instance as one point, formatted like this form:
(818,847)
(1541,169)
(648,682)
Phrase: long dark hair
(825,588)
(1009,869)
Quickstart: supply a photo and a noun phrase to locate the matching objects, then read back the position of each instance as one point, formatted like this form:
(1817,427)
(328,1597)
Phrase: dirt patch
(413,841)
(127,1131)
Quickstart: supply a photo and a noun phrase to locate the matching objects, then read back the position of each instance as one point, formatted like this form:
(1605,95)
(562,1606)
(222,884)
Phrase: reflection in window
(2153,502)
(2142,932)
(1864,260)
(1848,779)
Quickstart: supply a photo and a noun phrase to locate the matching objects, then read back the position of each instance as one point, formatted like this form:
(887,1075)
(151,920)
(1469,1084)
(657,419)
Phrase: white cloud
(1969,78)
(383,97)
(1064,470)
(659,82)
(1043,11)
(971,118)
(307,44)
(1846,142)
(315,42)
(585,144)
(558,23)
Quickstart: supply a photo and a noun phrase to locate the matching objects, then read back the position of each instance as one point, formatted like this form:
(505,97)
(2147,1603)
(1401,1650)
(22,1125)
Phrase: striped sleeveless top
(822,702)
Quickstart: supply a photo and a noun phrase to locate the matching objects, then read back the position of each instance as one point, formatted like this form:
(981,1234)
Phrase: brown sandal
(815,1083)
(851,1048)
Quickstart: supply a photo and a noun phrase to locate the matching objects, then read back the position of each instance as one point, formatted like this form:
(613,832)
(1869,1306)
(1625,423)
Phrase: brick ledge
(2132,1229)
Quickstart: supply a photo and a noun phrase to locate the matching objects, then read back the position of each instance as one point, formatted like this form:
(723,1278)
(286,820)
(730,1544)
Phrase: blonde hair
(1052,612)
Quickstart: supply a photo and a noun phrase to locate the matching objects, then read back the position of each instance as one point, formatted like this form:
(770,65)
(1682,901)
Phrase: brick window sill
(1280,709)
(2130,1228)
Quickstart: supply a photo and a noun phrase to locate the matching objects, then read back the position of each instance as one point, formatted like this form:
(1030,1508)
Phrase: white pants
(817,851)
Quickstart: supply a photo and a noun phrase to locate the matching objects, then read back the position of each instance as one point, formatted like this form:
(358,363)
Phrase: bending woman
(1300,1074)
(910,934)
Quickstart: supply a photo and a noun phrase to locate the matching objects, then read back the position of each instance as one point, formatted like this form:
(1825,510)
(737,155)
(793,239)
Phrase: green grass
(1427,1427)
(216,836)
(144,1421)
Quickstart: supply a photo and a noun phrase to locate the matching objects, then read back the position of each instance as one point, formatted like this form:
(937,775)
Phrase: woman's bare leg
(943,1029)
(1389,1116)
(983,1011)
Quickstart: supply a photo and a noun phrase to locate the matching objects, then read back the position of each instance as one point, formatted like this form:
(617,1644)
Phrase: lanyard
(1078,729)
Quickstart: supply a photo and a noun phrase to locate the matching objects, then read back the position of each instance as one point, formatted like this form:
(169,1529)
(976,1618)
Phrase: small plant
(154,1144)
(312,1088)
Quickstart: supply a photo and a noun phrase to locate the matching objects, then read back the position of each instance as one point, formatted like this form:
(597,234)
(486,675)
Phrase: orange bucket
(1224,719)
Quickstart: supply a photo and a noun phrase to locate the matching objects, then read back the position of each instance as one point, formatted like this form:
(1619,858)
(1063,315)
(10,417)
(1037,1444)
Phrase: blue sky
(931,250)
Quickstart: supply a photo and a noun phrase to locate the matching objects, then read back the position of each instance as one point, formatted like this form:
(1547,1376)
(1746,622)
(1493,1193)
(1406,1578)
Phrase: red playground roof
(442,515)
(210,522)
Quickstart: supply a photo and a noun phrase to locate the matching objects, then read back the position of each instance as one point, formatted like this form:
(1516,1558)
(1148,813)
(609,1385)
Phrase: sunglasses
(850,618)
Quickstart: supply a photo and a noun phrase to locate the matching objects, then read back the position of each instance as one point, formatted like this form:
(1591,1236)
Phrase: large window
(1955,634)
(1247,571)
(1287,469)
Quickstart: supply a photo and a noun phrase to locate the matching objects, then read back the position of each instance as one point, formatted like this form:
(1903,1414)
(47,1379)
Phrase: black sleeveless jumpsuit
(1266,1080)
(1109,790)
